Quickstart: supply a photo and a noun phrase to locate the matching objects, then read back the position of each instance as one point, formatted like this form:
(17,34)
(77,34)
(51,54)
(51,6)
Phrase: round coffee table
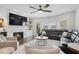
(41,40)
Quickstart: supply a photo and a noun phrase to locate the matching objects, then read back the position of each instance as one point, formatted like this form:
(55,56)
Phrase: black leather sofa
(54,34)
(72,38)
(67,50)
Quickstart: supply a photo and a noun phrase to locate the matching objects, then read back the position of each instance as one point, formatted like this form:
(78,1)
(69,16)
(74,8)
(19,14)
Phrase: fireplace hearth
(19,36)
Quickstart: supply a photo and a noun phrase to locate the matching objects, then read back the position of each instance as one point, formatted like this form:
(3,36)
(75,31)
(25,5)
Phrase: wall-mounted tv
(16,19)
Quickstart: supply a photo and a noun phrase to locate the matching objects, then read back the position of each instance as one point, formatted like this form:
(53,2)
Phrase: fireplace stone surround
(12,29)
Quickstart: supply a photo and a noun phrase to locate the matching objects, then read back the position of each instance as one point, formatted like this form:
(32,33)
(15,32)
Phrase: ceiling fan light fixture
(40,11)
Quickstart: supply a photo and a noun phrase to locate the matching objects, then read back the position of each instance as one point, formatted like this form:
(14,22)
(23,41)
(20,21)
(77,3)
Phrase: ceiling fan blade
(47,10)
(46,6)
(32,7)
(34,11)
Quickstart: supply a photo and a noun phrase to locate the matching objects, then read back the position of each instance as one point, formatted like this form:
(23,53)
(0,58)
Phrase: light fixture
(1,22)
(39,11)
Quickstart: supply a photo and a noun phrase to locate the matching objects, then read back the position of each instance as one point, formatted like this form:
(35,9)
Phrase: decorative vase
(41,35)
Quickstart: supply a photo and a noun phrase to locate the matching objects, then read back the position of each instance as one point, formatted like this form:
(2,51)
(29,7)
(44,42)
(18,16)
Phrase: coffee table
(42,50)
(41,41)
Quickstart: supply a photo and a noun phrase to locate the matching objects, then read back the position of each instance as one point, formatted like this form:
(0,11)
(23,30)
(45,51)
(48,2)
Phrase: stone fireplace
(19,36)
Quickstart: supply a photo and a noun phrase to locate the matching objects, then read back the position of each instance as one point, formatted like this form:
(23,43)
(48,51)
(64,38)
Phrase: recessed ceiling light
(15,10)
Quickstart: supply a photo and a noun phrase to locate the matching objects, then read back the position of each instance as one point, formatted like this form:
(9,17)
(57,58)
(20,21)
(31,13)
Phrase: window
(53,26)
(45,27)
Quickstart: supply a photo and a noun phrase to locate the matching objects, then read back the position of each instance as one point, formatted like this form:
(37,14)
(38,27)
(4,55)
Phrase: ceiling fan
(41,8)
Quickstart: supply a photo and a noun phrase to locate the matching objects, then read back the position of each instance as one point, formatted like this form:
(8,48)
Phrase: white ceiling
(24,9)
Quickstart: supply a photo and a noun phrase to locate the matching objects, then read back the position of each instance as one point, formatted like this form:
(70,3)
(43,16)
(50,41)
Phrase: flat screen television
(16,19)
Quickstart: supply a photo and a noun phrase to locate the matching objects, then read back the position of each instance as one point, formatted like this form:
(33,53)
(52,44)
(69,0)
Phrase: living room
(23,25)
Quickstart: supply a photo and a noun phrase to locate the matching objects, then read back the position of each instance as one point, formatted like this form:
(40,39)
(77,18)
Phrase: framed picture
(63,24)
(30,25)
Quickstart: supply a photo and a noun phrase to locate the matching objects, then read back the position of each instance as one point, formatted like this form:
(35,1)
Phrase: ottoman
(42,50)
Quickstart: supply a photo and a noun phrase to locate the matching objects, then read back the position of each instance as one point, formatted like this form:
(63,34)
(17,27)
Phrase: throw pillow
(73,36)
(64,34)
(76,39)
(2,38)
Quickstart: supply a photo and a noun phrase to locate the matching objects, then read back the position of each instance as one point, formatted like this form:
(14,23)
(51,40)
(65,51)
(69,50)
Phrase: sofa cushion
(7,50)
(54,33)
